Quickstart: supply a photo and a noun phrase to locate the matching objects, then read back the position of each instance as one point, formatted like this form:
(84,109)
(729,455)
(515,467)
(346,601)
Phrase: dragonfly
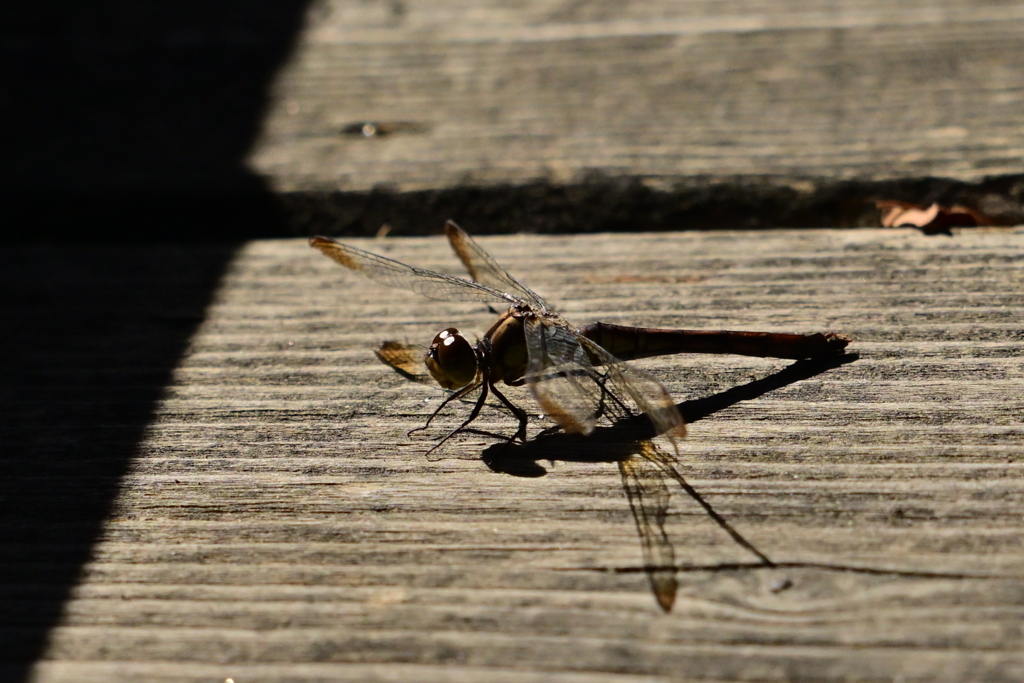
(577,376)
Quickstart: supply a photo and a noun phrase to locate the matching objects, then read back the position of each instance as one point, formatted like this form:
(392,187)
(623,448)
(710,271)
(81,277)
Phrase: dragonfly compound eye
(451,359)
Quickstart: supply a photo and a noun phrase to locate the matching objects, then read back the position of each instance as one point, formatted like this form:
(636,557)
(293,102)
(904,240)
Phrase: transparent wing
(648,499)
(560,375)
(484,269)
(645,391)
(658,460)
(564,381)
(428,283)
(405,359)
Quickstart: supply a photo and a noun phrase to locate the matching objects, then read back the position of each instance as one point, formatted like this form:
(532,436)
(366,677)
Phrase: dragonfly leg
(518,412)
(493,435)
(452,397)
(472,416)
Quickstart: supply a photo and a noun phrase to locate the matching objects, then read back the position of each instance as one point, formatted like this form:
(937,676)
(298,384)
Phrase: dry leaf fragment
(932,220)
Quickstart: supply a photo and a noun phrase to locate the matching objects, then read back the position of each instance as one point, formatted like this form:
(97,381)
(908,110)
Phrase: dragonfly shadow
(620,441)
(698,409)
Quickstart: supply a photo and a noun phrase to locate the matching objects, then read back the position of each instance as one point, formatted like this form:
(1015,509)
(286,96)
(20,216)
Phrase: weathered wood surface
(483,92)
(277,524)
(546,115)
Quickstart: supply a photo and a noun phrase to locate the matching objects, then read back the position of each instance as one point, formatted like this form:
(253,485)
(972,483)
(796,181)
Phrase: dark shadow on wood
(698,409)
(91,337)
(600,203)
(122,123)
(132,121)
(617,442)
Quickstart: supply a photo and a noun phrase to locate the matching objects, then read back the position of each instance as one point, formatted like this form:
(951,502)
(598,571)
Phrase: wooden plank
(539,115)
(482,93)
(277,523)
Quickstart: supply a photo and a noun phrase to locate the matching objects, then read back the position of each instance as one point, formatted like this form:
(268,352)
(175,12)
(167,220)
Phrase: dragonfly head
(451,359)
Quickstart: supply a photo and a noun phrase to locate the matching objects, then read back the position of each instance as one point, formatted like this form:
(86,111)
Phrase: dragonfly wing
(563,379)
(561,376)
(405,359)
(658,459)
(648,499)
(428,283)
(648,394)
(484,269)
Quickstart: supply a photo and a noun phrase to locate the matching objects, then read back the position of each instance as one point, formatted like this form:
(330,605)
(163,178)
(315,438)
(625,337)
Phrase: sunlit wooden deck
(277,523)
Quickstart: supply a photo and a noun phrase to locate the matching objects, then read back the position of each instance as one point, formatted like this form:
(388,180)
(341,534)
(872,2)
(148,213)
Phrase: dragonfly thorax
(451,359)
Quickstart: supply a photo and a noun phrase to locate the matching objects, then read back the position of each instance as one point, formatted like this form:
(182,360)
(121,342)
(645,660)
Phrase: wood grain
(278,524)
(478,93)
